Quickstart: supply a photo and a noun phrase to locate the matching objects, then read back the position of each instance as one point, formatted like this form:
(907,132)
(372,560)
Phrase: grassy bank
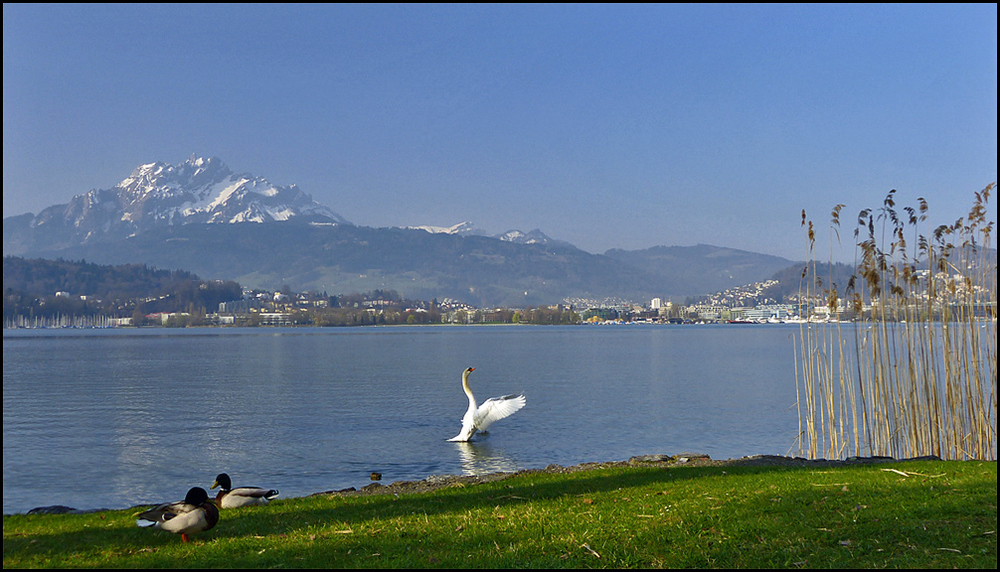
(914,514)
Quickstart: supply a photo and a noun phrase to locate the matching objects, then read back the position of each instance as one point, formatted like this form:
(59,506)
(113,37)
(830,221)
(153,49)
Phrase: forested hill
(45,277)
(27,282)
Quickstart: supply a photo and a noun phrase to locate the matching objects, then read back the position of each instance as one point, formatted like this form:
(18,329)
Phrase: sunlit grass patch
(907,514)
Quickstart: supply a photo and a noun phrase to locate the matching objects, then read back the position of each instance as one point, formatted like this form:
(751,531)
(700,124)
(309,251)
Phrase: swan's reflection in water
(480,458)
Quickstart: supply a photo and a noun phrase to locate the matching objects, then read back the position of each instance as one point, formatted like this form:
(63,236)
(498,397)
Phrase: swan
(479,418)
(193,514)
(240,496)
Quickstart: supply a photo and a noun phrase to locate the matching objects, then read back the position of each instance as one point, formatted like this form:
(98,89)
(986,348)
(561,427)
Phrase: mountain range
(202,217)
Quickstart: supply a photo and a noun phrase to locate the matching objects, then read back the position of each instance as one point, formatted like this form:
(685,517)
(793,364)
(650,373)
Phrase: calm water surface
(115,418)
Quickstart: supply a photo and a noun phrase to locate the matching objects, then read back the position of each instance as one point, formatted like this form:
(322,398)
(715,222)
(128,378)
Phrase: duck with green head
(229,497)
(193,514)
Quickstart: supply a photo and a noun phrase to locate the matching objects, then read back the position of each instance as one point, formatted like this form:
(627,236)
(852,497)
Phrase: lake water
(116,418)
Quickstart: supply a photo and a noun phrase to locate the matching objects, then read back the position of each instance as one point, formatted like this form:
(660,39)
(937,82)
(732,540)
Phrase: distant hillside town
(284,308)
(42,293)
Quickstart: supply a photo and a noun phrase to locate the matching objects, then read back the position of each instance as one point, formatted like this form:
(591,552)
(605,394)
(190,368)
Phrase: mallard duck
(229,497)
(479,418)
(193,514)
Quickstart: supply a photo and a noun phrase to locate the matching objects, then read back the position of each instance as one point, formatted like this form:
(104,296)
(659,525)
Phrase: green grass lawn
(914,514)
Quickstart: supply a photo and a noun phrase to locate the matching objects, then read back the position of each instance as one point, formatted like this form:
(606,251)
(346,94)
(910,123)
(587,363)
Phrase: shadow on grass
(774,499)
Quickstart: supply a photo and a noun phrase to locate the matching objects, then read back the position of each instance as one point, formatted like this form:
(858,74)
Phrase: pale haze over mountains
(201,190)
(201,216)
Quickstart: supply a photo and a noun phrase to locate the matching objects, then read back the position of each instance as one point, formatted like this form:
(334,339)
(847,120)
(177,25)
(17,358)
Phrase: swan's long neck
(468,390)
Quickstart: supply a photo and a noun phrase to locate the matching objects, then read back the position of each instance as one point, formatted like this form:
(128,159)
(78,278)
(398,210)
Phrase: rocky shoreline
(435,482)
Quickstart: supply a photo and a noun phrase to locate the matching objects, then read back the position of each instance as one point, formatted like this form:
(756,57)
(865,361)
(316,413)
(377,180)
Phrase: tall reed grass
(909,366)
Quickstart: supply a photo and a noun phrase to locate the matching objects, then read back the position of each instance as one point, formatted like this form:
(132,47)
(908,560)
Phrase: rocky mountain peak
(199,190)
(169,180)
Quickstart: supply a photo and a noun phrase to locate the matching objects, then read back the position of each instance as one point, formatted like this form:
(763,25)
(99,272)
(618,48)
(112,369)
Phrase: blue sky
(607,126)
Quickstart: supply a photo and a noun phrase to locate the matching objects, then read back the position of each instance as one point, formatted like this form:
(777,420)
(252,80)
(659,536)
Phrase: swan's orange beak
(472,369)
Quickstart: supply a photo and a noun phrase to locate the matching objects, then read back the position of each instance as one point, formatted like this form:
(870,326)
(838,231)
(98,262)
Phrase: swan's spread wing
(496,408)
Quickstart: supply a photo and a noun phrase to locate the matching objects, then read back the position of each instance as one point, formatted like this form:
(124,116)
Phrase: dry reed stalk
(916,372)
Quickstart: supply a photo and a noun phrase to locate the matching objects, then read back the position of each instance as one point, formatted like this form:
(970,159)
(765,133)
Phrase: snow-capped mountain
(185,217)
(466,228)
(198,190)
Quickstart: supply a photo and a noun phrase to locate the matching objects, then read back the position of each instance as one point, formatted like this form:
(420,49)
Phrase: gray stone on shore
(60,509)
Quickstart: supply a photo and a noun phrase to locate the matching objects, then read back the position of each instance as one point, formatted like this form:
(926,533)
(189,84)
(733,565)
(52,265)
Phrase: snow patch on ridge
(460,228)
